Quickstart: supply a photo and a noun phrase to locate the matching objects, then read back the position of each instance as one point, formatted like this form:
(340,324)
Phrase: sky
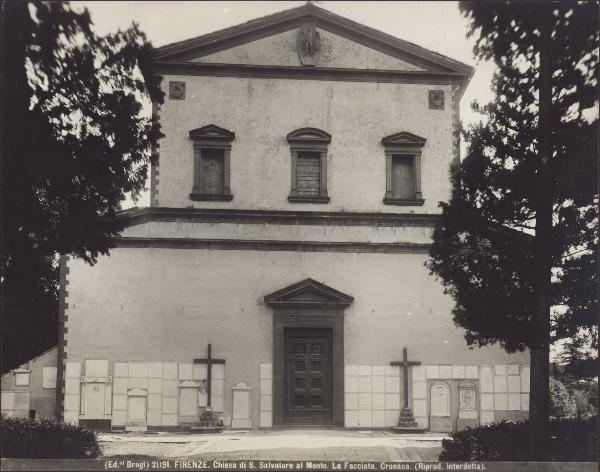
(438,26)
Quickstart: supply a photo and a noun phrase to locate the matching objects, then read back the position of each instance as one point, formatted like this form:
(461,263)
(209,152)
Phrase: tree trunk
(540,352)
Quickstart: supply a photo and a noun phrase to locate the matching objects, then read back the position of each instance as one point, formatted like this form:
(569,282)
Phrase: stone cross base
(407,423)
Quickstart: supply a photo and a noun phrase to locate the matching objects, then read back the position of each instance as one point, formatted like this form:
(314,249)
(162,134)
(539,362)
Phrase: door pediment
(308,293)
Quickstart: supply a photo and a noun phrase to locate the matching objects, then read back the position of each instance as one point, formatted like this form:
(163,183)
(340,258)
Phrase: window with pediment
(212,150)
(308,148)
(403,169)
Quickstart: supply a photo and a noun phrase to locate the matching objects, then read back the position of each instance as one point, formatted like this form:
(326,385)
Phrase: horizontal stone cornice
(272,245)
(276,217)
(304,73)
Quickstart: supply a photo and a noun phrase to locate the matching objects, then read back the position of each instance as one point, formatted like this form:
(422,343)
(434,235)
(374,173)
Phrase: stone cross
(406,363)
(209,361)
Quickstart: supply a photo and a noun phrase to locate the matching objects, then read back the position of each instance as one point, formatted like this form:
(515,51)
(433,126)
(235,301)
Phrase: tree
(76,141)
(516,243)
(562,404)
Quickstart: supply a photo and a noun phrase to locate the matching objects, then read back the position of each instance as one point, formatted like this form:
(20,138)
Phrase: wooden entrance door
(308,376)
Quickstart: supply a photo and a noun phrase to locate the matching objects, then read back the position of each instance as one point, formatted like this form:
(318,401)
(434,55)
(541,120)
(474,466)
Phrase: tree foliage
(77,140)
(483,251)
(562,404)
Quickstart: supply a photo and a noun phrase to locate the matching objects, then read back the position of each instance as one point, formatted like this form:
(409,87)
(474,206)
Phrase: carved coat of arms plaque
(309,45)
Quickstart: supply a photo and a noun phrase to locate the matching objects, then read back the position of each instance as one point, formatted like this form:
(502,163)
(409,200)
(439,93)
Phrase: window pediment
(309,135)
(308,293)
(212,133)
(403,138)
(403,168)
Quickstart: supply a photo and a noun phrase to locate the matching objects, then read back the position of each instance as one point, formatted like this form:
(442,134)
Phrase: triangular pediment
(276,41)
(212,132)
(308,293)
(403,138)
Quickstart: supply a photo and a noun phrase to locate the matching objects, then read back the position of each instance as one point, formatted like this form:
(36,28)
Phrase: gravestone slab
(266,419)
(433,372)
(73,370)
(185,371)
(120,385)
(419,389)
(154,418)
(154,401)
(486,379)
(351,384)
(514,383)
(524,402)
(169,420)
(445,372)
(119,417)
(458,371)
(155,370)
(364,419)
(350,401)
(500,401)
(72,386)
(420,407)
(22,378)
(188,401)
(487,401)
(364,384)
(525,372)
(241,406)
(378,419)
(170,371)
(199,372)
(137,382)
(471,372)
(169,405)
(218,372)
(96,368)
(378,384)
(392,402)
(169,388)
(154,385)
(138,369)
(120,402)
(49,377)
(365,401)
(418,372)
(514,401)
(487,417)
(500,384)
(72,403)
(266,402)
(378,401)
(121,369)
(266,371)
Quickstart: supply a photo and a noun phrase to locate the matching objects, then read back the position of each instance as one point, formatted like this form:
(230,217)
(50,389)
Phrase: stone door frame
(308,318)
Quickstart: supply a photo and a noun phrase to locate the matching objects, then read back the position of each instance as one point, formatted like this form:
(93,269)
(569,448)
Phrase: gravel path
(262,445)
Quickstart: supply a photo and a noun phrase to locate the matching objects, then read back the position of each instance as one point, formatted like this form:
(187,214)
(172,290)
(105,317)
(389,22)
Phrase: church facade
(278,275)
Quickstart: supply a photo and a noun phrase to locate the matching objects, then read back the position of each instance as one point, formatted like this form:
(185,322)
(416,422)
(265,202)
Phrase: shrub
(570,440)
(47,439)
(562,404)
